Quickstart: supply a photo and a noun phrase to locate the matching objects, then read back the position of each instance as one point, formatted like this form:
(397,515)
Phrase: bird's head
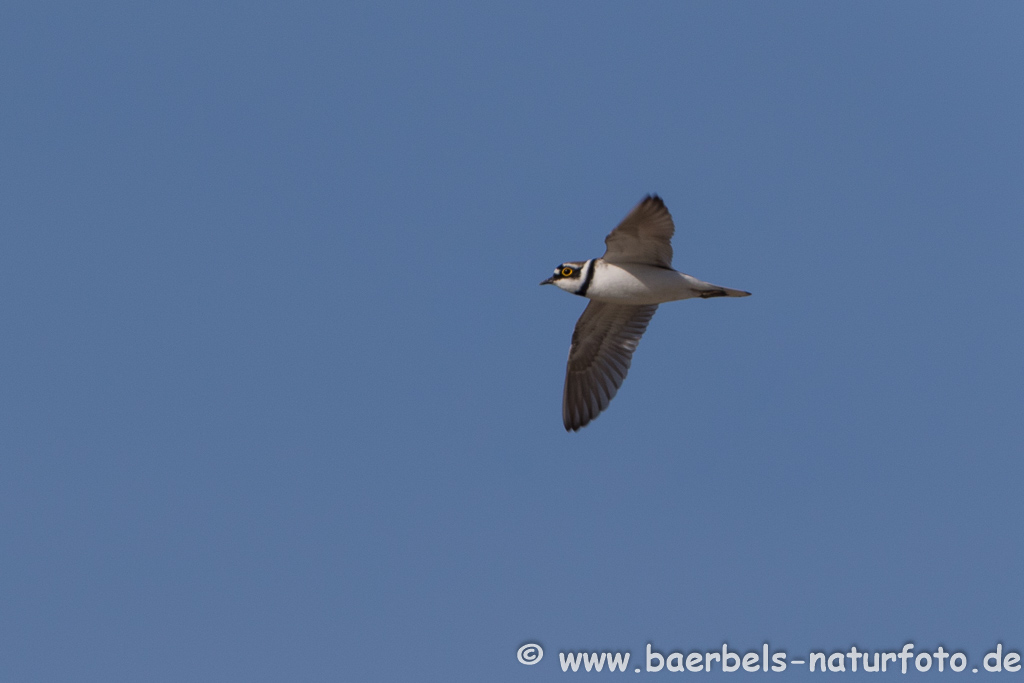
(568,276)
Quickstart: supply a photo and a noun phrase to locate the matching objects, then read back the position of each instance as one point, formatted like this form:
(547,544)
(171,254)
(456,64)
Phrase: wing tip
(576,425)
(654,199)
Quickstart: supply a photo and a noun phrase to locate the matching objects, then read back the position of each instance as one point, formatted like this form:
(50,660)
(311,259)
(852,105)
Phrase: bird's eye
(567,271)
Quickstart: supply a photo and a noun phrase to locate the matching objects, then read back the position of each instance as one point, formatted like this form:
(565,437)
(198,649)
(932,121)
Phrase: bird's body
(638,284)
(625,287)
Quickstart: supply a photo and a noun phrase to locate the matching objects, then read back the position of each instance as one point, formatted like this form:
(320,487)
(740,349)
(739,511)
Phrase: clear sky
(280,396)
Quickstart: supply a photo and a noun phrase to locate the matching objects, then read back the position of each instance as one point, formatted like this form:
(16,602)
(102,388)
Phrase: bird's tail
(711,290)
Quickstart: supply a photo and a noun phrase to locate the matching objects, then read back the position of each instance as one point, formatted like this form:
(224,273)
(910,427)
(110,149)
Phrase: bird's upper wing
(644,236)
(602,347)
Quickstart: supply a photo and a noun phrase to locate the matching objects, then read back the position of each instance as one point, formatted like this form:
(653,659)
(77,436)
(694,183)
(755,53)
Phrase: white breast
(634,283)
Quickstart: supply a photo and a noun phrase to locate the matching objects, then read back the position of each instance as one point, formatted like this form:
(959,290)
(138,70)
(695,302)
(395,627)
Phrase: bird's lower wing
(603,343)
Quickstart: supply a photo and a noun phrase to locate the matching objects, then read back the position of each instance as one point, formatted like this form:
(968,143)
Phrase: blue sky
(280,395)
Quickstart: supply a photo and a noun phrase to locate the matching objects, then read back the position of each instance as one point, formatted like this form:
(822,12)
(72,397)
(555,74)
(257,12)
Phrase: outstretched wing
(603,343)
(644,236)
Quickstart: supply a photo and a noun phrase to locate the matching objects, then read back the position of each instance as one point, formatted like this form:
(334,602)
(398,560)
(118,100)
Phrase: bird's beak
(549,281)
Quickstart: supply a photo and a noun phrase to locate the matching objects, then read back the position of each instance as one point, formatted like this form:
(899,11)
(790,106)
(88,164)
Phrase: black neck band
(587,277)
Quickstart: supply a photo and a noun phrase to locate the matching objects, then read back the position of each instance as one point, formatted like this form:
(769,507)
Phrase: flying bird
(625,287)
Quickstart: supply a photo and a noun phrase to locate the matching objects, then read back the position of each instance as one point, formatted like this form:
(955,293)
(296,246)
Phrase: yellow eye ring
(566,272)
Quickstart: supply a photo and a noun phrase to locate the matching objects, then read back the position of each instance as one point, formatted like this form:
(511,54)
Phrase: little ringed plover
(625,287)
